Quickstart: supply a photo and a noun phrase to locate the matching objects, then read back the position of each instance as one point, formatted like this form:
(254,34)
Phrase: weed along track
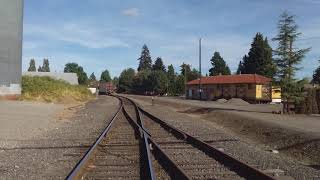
(138,145)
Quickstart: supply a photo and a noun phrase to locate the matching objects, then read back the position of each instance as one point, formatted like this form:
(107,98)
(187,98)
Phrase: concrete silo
(11,27)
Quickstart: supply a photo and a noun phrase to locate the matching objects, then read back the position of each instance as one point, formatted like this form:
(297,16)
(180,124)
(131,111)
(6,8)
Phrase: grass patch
(46,89)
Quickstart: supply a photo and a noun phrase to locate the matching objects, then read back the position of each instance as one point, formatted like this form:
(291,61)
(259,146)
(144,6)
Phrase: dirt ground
(295,136)
(44,141)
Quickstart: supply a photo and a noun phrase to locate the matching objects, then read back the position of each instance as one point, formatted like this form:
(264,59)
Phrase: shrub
(50,90)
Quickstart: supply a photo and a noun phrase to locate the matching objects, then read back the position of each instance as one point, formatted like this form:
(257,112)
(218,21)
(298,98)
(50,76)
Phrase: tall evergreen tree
(40,69)
(288,56)
(32,66)
(171,80)
(105,76)
(259,59)
(145,61)
(240,69)
(158,65)
(45,67)
(185,68)
(92,77)
(316,76)
(219,66)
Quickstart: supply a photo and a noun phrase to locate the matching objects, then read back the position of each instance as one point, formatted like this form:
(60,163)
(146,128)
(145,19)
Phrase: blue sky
(109,34)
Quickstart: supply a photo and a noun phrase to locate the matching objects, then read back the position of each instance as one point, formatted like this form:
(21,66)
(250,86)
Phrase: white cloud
(131,12)
(83,35)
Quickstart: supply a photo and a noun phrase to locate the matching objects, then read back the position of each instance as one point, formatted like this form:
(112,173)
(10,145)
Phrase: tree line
(44,68)
(155,78)
(279,64)
(83,78)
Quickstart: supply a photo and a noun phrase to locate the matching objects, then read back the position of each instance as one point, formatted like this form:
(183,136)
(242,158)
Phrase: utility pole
(200,88)
(185,80)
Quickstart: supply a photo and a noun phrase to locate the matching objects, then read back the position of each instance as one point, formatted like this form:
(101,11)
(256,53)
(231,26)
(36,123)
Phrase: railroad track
(138,145)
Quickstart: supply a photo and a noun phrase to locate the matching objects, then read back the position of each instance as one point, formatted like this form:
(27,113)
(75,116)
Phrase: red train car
(106,88)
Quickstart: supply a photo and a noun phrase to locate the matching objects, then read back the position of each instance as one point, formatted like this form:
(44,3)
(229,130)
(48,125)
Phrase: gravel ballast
(232,144)
(52,154)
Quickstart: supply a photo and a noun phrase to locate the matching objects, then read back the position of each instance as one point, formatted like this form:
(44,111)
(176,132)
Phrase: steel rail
(166,162)
(241,168)
(76,171)
(174,170)
(144,136)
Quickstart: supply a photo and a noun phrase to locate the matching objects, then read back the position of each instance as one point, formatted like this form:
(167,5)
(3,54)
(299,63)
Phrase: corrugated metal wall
(11,27)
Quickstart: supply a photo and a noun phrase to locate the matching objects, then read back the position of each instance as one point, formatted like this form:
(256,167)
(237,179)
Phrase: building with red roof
(250,87)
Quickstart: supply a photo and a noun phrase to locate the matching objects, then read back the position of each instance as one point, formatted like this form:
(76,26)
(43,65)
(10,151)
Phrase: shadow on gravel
(48,147)
(304,147)
(315,166)
(208,110)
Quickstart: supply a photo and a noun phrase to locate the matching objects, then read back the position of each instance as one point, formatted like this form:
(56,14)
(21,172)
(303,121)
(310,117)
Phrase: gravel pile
(239,148)
(221,100)
(237,101)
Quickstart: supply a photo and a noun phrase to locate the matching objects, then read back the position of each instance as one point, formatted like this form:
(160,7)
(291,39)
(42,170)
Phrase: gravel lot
(181,103)
(53,137)
(231,143)
(296,136)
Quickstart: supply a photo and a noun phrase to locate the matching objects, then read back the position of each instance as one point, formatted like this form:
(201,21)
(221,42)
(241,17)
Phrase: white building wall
(11,27)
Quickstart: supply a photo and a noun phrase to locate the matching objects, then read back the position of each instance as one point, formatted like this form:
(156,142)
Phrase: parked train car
(106,88)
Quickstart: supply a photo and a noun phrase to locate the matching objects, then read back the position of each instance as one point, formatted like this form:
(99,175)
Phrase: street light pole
(200,88)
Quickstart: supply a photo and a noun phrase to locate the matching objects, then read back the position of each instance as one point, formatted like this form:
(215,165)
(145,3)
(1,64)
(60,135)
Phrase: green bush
(50,90)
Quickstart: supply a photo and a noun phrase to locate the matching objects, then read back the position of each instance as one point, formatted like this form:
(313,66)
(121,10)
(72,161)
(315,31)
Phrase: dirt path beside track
(45,141)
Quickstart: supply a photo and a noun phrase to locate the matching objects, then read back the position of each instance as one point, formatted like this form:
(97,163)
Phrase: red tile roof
(233,79)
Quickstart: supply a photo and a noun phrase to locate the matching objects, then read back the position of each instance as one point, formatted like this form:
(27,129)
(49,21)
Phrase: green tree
(115,81)
(40,69)
(316,76)
(219,66)
(240,69)
(141,82)
(171,75)
(126,80)
(259,59)
(194,74)
(288,56)
(32,66)
(185,68)
(145,62)
(191,75)
(75,68)
(45,67)
(180,86)
(105,76)
(158,65)
(92,77)
(158,81)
